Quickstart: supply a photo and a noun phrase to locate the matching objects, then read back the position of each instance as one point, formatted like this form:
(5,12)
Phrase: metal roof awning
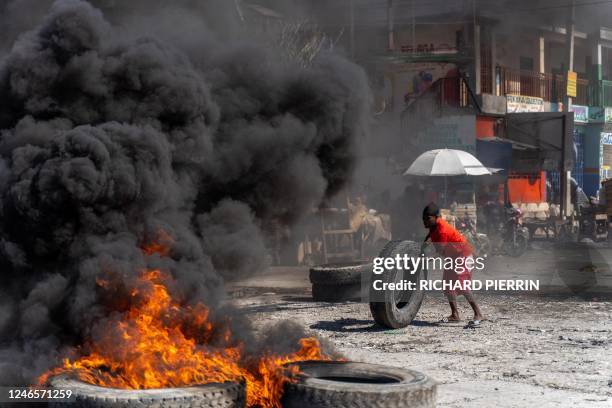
(403,58)
(515,145)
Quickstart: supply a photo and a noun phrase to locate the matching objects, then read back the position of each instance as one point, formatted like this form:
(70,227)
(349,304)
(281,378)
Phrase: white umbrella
(447,162)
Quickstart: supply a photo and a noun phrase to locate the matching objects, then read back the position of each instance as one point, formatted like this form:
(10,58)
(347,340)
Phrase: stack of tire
(338,282)
(319,384)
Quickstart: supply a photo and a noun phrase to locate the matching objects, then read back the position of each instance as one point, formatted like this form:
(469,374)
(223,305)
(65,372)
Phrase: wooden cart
(340,241)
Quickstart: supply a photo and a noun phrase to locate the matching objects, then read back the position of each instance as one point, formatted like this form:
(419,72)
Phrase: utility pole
(569,42)
(476,38)
(568,139)
(391,44)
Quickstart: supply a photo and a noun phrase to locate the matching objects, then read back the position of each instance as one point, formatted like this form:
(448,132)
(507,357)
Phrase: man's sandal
(472,324)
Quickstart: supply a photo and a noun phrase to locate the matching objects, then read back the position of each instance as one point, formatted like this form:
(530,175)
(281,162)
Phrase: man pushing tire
(395,309)
(449,243)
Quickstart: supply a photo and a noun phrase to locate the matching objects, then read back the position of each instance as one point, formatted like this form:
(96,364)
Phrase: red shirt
(445,233)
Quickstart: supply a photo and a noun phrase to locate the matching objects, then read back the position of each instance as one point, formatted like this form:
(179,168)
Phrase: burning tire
(347,384)
(398,308)
(338,282)
(227,395)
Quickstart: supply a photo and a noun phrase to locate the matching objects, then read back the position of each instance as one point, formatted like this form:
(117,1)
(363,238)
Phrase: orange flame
(159,343)
(161,245)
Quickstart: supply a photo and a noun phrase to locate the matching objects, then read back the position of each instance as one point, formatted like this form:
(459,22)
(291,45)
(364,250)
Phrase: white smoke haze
(110,134)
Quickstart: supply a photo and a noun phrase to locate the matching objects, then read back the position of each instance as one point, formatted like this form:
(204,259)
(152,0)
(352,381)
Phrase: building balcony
(549,87)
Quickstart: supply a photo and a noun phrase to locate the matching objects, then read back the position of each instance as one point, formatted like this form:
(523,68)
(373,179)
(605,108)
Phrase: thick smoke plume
(109,142)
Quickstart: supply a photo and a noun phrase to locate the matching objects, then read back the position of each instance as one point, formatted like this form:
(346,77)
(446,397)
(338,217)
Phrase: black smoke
(108,140)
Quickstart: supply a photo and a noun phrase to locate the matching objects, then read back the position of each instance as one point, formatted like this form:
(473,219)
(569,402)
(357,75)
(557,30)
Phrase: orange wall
(485,127)
(524,190)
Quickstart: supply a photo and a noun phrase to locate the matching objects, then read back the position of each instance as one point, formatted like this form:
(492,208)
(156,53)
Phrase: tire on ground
(336,293)
(348,385)
(339,273)
(393,312)
(227,395)
(338,282)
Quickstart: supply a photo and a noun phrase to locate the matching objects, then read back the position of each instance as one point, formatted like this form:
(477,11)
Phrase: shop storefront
(606,156)
(588,148)
(605,148)
(581,120)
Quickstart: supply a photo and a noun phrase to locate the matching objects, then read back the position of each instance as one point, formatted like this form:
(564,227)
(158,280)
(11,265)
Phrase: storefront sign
(604,159)
(521,103)
(572,79)
(581,113)
(608,114)
(606,138)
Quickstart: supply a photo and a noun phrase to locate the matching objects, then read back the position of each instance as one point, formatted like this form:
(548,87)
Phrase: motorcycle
(480,242)
(505,229)
(515,236)
(593,221)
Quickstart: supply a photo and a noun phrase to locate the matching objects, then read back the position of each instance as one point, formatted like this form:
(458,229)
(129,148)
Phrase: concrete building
(448,74)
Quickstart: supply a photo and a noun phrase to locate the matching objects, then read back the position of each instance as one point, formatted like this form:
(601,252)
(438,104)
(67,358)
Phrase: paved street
(545,349)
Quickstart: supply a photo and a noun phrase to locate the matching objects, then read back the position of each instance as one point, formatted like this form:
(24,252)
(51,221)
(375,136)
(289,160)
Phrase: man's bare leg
(452,301)
(470,298)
